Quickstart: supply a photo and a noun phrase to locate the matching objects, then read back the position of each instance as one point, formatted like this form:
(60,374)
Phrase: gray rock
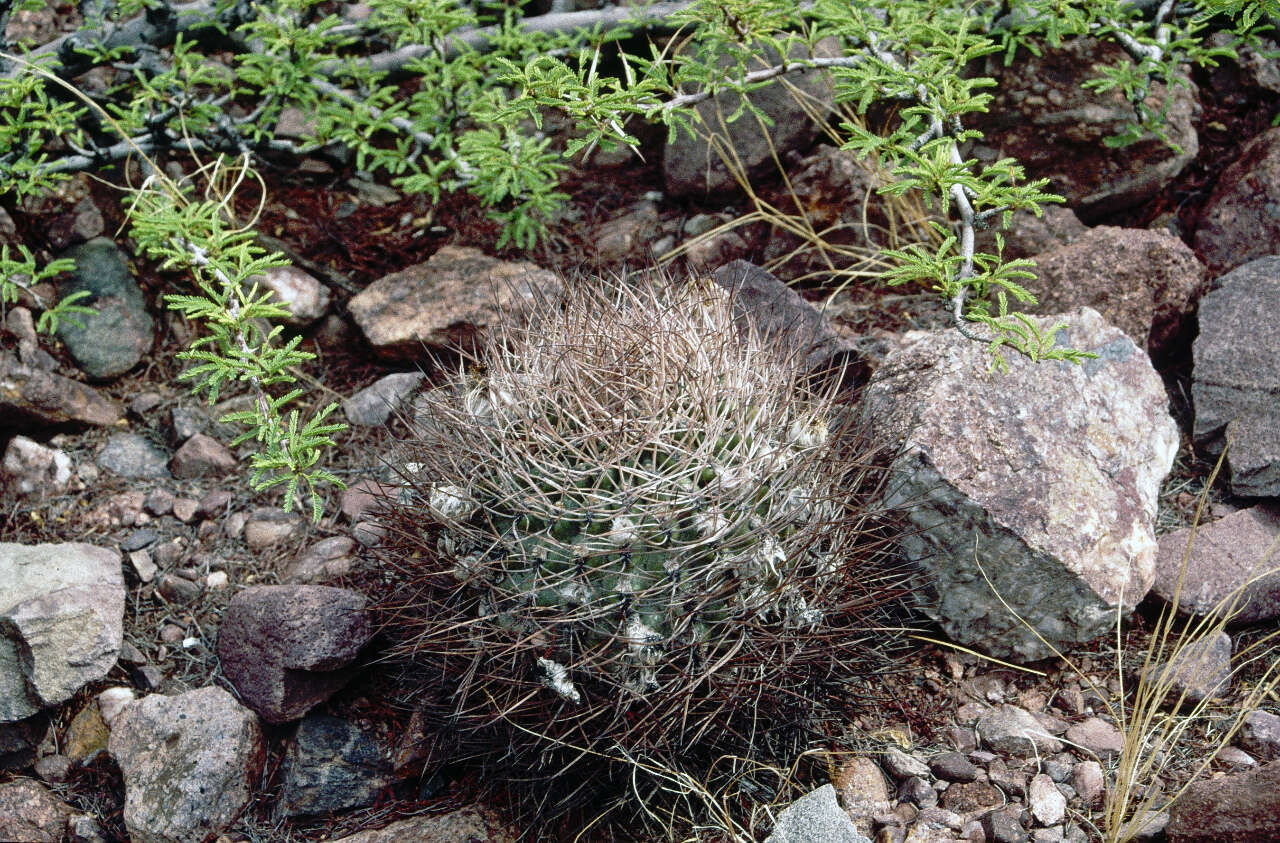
(1236,375)
(374,404)
(189,763)
(202,456)
(1005,825)
(916,789)
(815,816)
(468,825)
(306,298)
(34,469)
(1241,220)
(446,301)
(1046,804)
(901,765)
(331,766)
(953,767)
(1048,122)
(110,341)
(1242,806)
(1234,756)
(1196,671)
(1014,731)
(778,314)
(1038,484)
(134,456)
(61,622)
(286,648)
(1227,567)
(1260,735)
(31,395)
(30,813)
(1144,282)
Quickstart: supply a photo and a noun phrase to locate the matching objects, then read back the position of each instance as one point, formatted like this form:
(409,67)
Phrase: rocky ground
(181,660)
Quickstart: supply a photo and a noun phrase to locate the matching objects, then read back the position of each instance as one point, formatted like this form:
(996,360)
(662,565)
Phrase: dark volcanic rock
(111,340)
(331,766)
(285,647)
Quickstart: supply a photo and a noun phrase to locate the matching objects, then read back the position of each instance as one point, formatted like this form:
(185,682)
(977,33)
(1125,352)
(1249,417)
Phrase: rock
(1010,730)
(139,539)
(86,735)
(1260,735)
(1196,670)
(29,813)
(133,456)
(184,509)
(1236,376)
(202,456)
(1241,220)
(214,504)
(781,317)
(901,765)
(324,561)
(1146,283)
(1042,117)
(1047,805)
(31,395)
(1030,235)
(66,213)
(1234,756)
(185,422)
(361,499)
(445,301)
(54,769)
(331,766)
(306,298)
(158,502)
(953,767)
(34,469)
(268,526)
(619,237)
(374,404)
(113,701)
(189,763)
(1090,782)
(61,622)
(691,167)
(178,589)
(110,341)
(1038,484)
(917,789)
(1242,806)
(285,647)
(1097,736)
(20,739)
(971,797)
(862,791)
(1004,825)
(468,825)
(815,816)
(1225,556)
(1012,782)
(716,250)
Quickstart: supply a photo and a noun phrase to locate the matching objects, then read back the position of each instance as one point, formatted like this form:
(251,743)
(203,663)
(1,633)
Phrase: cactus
(628,519)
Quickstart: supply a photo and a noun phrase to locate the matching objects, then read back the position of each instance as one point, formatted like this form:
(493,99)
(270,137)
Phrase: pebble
(1047,804)
(902,766)
(953,767)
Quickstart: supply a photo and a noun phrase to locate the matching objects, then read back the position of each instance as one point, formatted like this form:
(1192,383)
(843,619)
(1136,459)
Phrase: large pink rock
(1241,807)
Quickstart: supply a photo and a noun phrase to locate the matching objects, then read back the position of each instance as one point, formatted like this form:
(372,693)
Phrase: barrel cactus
(628,519)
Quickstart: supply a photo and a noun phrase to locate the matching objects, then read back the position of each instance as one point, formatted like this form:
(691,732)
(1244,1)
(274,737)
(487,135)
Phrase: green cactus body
(637,478)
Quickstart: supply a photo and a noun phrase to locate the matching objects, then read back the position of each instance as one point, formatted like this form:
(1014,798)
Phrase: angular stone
(616,239)
(331,766)
(34,469)
(189,763)
(202,456)
(953,767)
(1241,220)
(468,825)
(306,298)
(1260,735)
(1089,781)
(1097,736)
(1236,376)
(1144,282)
(285,647)
(1038,484)
(972,797)
(815,816)
(30,813)
(445,301)
(112,339)
(1243,806)
(1227,564)
(374,404)
(133,456)
(1014,731)
(901,765)
(691,167)
(1047,804)
(1030,235)
(61,622)
(325,561)
(788,322)
(29,394)
(1044,118)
